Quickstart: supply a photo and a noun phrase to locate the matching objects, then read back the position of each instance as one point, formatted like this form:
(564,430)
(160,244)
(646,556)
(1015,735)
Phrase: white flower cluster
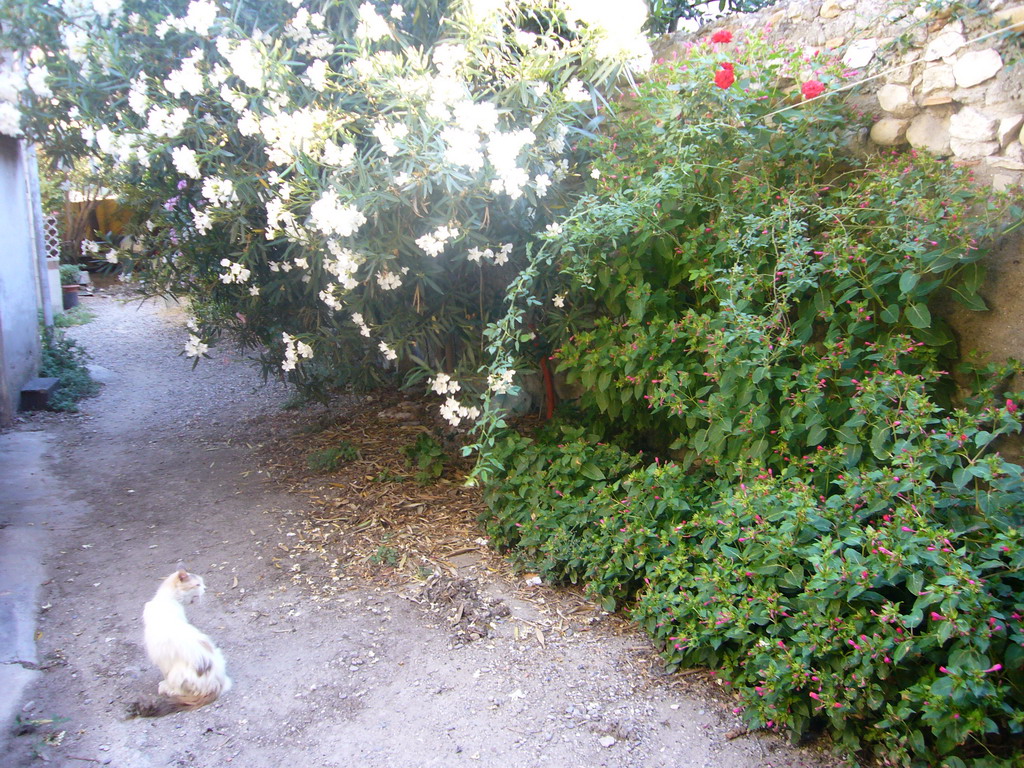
(454,412)
(187,78)
(617,26)
(36,80)
(290,133)
(575,91)
(503,150)
(237,273)
(219,191)
(244,60)
(364,329)
(166,123)
(201,221)
(388,352)
(500,258)
(195,346)
(294,351)
(199,17)
(501,383)
(389,281)
(389,135)
(331,217)
(90,248)
(372,26)
(433,243)
(338,156)
(344,265)
(443,384)
(185,162)
(316,75)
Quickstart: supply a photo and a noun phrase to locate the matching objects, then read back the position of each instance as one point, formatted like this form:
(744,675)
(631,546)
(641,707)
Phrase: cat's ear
(182,573)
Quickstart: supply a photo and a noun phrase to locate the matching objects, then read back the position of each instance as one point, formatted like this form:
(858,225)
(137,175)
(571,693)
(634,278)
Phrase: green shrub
(427,457)
(64,359)
(822,513)
(329,459)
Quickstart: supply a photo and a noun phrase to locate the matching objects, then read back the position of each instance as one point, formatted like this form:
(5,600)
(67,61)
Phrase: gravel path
(164,466)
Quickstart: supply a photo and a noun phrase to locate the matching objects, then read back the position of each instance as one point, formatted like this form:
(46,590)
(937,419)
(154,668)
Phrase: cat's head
(188,587)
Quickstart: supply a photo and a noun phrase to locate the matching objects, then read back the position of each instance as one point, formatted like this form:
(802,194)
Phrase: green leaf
(908,280)
(891,314)
(918,315)
(816,434)
(592,472)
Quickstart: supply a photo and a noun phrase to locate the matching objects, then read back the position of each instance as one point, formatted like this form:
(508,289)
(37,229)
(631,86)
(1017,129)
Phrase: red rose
(812,89)
(725,77)
(722,36)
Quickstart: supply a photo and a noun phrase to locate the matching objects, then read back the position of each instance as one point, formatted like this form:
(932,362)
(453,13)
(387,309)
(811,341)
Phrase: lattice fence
(51,230)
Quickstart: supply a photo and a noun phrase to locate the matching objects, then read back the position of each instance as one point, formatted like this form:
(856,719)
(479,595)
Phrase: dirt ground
(364,622)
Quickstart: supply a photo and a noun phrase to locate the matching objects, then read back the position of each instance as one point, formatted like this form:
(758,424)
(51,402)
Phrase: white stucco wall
(19,335)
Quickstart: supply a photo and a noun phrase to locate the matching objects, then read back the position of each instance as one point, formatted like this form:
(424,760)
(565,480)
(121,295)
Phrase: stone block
(1006,163)
(943,45)
(1009,129)
(965,149)
(971,125)
(929,133)
(896,100)
(937,77)
(976,67)
(830,9)
(860,53)
(889,132)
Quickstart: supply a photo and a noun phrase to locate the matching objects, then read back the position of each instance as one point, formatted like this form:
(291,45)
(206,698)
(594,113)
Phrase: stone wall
(949,82)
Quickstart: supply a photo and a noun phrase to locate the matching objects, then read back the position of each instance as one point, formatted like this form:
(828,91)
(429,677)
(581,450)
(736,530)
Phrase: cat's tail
(155,707)
(161,706)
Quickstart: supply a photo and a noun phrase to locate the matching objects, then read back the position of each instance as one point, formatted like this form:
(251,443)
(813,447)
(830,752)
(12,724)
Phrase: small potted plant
(70,274)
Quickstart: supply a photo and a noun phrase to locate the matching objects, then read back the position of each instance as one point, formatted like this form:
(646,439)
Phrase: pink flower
(1011,406)
(722,36)
(812,89)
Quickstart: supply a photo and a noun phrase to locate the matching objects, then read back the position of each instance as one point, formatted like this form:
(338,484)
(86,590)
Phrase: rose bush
(770,463)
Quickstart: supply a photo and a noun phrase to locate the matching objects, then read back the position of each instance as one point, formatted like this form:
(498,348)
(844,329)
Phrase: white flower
(558,300)
(243,60)
(254,290)
(433,243)
(316,75)
(595,173)
(294,351)
(237,273)
(188,78)
(112,257)
(397,12)
(364,329)
(444,384)
(389,281)
(330,298)
(166,123)
(200,16)
(332,218)
(201,221)
(138,99)
(575,91)
(500,383)
(10,120)
(219,191)
(339,157)
(542,181)
(388,135)
(195,346)
(554,229)
(36,80)
(388,352)
(90,247)
(454,412)
(372,26)
(185,162)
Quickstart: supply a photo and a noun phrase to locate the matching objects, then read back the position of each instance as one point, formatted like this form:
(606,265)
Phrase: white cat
(192,666)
